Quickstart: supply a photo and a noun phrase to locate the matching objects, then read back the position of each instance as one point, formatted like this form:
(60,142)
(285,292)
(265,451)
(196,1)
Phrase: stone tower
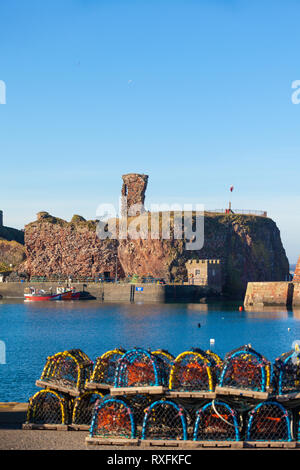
(296,277)
(134,188)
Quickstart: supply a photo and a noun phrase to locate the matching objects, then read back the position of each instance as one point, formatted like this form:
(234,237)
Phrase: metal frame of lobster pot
(164,420)
(287,374)
(217,421)
(48,409)
(192,374)
(112,421)
(269,421)
(139,371)
(216,364)
(167,358)
(67,372)
(104,371)
(83,408)
(246,373)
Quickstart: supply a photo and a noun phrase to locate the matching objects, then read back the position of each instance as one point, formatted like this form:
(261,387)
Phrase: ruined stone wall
(134,188)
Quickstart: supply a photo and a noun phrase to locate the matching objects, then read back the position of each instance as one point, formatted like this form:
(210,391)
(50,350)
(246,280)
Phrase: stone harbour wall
(262,294)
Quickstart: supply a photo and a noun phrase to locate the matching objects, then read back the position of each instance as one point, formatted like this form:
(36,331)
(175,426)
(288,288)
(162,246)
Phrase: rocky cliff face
(12,250)
(249,247)
(54,246)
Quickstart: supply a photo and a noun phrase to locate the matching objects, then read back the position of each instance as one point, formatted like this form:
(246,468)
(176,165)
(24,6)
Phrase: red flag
(231,188)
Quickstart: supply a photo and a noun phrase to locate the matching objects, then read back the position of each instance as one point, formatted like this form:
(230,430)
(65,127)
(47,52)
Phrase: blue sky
(195,93)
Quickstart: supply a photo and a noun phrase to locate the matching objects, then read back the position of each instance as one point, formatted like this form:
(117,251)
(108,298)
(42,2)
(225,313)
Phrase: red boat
(33,294)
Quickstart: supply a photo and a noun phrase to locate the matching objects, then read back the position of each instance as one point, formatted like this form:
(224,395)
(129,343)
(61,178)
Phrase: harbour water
(32,331)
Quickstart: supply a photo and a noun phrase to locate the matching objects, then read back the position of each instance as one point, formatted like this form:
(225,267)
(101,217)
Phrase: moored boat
(33,294)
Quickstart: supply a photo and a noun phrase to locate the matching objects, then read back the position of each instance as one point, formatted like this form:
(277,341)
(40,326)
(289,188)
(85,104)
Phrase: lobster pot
(167,359)
(138,403)
(84,407)
(68,370)
(105,367)
(113,418)
(216,364)
(287,373)
(217,421)
(269,421)
(191,371)
(140,368)
(246,369)
(49,407)
(165,420)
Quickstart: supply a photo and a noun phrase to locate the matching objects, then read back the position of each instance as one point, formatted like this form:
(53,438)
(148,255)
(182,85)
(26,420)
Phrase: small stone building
(205,272)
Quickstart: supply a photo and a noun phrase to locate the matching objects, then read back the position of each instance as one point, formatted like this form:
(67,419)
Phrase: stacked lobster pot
(152,398)
(248,380)
(63,399)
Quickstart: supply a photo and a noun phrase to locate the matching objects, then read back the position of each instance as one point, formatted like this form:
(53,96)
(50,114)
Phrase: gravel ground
(13,437)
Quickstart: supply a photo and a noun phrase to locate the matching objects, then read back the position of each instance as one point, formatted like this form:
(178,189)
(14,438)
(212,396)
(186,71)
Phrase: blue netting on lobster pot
(84,407)
(165,420)
(68,369)
(166,357)
(192,371)
(140,368)
(287,373)
(105,367)
(113,418)
(217,421)
(49,407)
(244,368)
(269,421)
(138,404)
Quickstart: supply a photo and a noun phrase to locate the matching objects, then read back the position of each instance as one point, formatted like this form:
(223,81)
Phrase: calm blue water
(31,332)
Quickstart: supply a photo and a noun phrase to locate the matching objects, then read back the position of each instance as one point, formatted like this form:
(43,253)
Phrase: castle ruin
(133,189)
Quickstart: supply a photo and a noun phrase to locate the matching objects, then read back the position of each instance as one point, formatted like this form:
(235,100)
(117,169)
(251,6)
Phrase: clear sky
(194,93)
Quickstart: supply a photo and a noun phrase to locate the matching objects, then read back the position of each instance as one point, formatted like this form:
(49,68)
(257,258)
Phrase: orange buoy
(240,308)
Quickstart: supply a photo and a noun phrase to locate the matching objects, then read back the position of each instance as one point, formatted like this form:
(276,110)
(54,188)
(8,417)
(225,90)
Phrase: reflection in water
(267,312)
(33,331)
(296,313)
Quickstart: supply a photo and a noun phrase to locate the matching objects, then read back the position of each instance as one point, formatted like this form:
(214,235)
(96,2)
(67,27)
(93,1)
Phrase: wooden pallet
(270,444)
(242,393)
(45,427)
(97,386)
(179,394)
(58,387)
(148,443)
(288,396)
(155,390)
(79,427)
(111,442)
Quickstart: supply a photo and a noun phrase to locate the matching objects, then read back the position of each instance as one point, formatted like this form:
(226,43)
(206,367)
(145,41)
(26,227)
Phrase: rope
(223,419)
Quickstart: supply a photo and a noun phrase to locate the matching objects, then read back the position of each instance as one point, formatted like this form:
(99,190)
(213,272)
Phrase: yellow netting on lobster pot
(68,369)
(49,407)
(105,367)
(191,371)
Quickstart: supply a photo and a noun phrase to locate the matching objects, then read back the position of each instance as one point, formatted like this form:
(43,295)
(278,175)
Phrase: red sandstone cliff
(249,247)
(54,246)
